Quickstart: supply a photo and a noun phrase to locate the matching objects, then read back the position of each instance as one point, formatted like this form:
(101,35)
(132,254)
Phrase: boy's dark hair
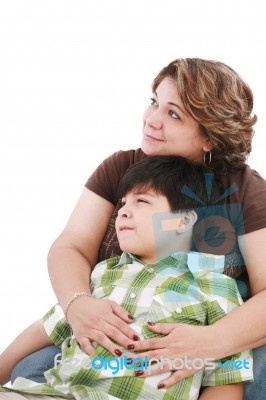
(168,175)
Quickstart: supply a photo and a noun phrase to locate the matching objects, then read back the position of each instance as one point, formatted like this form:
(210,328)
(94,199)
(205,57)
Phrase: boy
(157,279)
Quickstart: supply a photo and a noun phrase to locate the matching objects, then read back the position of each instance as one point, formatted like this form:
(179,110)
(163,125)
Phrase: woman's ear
(208,145)
(186,221)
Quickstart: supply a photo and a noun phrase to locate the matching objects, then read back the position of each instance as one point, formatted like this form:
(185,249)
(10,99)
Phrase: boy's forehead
(145,190)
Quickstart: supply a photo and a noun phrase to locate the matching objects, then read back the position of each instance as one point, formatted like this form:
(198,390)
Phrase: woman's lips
(152,138)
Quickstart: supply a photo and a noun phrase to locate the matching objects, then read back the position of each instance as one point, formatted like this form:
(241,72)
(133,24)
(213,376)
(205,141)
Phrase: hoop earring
(207,159)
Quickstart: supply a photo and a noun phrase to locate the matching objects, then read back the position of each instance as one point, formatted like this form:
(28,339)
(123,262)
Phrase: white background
(74,81)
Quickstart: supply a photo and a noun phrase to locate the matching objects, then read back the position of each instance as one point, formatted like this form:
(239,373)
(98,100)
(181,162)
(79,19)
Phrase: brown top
(245,192)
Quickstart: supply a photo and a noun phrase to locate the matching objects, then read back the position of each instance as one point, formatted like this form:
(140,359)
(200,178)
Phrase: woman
(201,110)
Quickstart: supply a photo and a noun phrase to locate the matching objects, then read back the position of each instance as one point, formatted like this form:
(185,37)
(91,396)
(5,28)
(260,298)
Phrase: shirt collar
(196,262)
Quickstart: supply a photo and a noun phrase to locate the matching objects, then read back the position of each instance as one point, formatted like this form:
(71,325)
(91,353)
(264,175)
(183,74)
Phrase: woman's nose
(154,119)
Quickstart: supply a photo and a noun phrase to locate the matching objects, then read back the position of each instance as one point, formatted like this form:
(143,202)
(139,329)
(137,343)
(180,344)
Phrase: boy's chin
(129,251)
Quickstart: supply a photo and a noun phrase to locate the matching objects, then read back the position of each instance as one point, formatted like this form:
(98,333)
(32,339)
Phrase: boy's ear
(180,222)
(185,222)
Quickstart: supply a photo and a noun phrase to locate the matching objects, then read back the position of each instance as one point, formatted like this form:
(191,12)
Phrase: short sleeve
(234,369)
(56,326)
(105,180)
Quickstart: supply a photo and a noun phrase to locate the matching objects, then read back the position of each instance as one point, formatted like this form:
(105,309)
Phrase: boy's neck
(175,243)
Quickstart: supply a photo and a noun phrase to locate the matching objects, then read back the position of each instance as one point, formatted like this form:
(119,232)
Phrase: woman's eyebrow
(173,104)
(176,105)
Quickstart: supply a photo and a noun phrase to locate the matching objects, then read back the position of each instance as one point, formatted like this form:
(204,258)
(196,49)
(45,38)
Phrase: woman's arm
(33,338)
(70,261)
(74,253)
(242,329)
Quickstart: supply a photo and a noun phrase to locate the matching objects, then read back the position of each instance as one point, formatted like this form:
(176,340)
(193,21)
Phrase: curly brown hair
(221,101)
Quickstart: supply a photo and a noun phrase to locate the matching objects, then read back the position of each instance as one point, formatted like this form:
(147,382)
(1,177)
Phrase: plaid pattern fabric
(184,287)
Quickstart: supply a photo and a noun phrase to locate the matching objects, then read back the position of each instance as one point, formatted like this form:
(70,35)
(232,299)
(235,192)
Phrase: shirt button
(151,270)
(132,295)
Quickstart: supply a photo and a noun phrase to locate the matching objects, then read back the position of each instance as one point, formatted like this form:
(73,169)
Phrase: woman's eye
(173,114)
(153,101)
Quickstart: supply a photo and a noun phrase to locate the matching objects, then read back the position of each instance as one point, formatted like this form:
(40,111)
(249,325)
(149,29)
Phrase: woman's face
(169,130)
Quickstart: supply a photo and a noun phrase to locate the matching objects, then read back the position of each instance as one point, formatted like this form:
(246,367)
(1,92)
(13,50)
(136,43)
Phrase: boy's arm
(33,338)
(224,392)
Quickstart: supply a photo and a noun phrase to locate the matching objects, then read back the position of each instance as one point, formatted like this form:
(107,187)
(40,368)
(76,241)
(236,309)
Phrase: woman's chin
(151,149)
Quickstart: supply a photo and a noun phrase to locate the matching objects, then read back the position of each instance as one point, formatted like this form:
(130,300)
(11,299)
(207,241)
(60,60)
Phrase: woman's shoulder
(128,157)
(117,163)
(105,179)
(247,188)
(245,179)
(247,171)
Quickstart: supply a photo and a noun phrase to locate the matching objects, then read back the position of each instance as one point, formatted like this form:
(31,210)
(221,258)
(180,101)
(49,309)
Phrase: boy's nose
(124,212)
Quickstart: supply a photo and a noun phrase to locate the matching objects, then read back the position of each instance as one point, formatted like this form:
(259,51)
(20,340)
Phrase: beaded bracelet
(73,298)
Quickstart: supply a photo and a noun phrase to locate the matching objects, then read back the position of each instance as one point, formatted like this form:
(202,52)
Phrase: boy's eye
(142,201)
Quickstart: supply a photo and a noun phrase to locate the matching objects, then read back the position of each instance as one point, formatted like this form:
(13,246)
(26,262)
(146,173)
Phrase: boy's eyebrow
(145,193)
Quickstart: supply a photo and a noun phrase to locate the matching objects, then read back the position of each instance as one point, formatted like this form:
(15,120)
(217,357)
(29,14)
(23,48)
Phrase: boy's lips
(125,228)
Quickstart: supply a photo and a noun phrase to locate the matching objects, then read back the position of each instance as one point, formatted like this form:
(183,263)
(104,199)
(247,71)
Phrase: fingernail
(135,337)
(160,386)
(130,317)
(130,347)
(151,323)
(139,373)
(118,352)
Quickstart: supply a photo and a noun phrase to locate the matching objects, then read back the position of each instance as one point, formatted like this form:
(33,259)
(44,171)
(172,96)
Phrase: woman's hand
(190,344)
(101,321)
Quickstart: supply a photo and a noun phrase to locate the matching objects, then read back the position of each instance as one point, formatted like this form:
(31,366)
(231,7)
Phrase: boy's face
(134,224)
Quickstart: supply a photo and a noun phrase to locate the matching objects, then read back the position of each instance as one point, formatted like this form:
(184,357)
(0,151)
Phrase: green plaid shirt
(184,287)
